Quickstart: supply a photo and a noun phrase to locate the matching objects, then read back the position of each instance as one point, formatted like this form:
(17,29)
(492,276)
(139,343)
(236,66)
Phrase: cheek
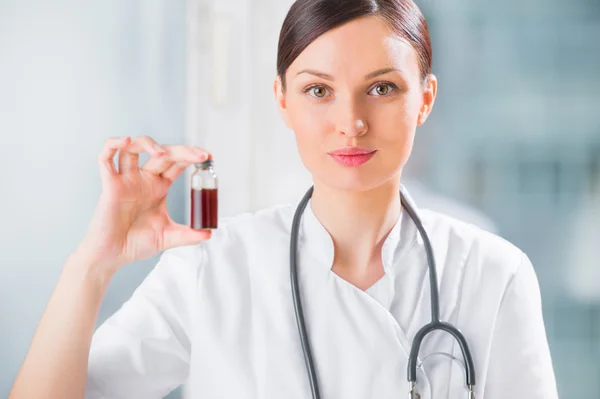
(309,122)
(410,108)
(395,122)
(303,112)
(394,126)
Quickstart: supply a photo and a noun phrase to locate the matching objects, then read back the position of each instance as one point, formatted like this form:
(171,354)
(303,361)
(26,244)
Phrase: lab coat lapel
(360,351)
(360,348)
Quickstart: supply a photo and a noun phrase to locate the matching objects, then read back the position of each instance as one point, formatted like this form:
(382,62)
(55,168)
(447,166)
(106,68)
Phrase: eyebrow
(371,75)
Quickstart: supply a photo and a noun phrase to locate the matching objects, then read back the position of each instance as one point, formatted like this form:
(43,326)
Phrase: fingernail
(202,155)
(159,149)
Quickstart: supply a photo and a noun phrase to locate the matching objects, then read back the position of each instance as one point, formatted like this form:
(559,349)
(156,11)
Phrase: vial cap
(205,164)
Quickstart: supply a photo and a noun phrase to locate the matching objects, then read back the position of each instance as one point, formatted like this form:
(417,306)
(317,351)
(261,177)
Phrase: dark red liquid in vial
(205,209)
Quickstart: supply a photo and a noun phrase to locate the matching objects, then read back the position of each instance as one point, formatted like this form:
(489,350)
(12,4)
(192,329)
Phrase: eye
(383,89)
(317,91)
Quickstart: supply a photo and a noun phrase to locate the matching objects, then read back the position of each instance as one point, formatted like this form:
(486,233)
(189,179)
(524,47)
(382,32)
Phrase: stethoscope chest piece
(413,394)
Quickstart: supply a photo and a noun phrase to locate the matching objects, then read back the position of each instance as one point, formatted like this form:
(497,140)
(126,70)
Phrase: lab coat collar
(316,240)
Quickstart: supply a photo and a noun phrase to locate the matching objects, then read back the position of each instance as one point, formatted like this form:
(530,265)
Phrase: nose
(350,121)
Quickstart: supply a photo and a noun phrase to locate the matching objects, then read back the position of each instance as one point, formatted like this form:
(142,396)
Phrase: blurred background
(512,145)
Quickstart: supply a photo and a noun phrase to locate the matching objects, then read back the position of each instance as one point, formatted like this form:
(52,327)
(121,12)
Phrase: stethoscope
(435,324)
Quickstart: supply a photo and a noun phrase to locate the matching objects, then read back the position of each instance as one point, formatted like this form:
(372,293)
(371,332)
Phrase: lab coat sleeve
(143,350)
(520,362)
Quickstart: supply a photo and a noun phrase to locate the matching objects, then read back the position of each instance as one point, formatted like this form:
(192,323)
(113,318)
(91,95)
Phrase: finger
(183,157)
(157,165)
(186,154)
(175,154)
(178,235)
(129,156)
(106,156)
(174,171)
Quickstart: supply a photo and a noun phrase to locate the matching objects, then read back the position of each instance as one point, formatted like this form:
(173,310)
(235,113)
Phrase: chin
(366,177)
(355,180)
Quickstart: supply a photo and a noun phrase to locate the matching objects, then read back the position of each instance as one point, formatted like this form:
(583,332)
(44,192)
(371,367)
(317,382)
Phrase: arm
(520,362)
(130,222)
(143,350)
(56,363)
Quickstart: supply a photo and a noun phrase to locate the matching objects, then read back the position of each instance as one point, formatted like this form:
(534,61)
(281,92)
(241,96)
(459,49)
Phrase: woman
(354,81)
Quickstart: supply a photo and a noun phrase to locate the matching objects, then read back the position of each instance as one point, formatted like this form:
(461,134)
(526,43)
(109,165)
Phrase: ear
(429,94)
(280,99)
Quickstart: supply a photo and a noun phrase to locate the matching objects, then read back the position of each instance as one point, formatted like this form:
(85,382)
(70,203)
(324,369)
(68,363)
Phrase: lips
(352,151)
(352,156)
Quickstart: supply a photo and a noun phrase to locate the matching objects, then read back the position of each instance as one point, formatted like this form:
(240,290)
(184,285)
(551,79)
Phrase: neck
(358,222)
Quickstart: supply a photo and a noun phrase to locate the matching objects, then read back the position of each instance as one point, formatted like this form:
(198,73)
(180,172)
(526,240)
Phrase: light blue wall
(516,132)
(72,74)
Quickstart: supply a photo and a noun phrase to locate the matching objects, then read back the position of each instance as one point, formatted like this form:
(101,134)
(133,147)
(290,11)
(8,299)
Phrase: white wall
(232,48)
(72,74)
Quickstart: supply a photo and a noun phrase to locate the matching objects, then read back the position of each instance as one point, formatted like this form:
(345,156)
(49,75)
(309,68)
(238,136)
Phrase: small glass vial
(205,190)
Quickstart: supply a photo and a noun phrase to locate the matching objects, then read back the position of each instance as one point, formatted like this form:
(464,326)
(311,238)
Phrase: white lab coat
(220,315)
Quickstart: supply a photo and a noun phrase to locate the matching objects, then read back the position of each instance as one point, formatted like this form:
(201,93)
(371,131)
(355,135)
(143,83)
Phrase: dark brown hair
(308,19)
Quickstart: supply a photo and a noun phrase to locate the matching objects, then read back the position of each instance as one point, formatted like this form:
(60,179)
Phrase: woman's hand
(130,221)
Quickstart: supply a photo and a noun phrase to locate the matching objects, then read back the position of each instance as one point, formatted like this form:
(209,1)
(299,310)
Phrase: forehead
(358,47)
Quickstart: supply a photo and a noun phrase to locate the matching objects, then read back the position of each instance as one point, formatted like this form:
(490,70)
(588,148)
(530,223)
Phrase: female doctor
(353,82)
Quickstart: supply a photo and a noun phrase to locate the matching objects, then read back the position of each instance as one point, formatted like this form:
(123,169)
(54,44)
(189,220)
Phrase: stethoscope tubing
(435,324)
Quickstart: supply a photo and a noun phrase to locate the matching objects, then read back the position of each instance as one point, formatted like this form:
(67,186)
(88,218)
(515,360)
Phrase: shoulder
(271,219)
(479,272)
(260,226)
(237,234)
(478,251)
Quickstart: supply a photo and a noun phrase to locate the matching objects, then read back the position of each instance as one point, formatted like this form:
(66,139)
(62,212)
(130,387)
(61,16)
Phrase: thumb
(178,235)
